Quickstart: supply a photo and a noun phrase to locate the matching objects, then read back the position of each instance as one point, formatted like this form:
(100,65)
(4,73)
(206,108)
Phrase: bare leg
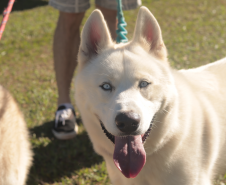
(65,49)
(110,17)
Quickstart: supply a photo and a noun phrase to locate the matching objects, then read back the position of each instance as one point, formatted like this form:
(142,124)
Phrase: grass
(193,31)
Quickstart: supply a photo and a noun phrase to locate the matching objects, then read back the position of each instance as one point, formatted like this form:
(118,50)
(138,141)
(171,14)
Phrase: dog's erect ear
(95,35)
(148,34)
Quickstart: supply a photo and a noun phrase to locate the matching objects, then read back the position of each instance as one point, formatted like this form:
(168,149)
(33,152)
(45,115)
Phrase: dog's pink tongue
(129,155)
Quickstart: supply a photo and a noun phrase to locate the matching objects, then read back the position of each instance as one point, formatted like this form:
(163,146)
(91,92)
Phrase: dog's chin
(112,137)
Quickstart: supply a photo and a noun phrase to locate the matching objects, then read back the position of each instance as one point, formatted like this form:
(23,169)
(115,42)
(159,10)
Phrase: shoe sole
(65,135)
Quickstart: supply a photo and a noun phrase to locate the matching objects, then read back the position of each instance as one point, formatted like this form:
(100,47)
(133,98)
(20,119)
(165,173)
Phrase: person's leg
(110,18)
(65,49)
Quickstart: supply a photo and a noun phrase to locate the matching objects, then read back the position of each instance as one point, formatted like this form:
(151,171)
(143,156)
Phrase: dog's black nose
(127,122)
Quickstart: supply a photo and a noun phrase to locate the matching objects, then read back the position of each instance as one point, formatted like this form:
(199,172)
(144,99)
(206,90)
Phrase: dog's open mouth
(129,154)
(112,137)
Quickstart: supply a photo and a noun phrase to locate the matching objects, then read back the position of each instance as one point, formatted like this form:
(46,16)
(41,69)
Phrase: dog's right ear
(148,34)
(95,35)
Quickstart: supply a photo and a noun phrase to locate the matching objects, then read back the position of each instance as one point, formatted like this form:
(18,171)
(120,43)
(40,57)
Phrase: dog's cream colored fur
(187,143)
(15,150)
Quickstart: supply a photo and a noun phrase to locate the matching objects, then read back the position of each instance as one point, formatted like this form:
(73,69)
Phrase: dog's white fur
(187,143)
(15,149)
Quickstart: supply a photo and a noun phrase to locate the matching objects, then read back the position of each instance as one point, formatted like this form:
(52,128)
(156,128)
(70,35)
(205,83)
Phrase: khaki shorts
(76,6)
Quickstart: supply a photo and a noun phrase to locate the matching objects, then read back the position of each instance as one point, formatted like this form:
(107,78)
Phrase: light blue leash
(121,31)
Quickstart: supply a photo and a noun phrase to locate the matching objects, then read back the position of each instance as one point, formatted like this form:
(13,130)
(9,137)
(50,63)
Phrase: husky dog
(15,149)
(156,125)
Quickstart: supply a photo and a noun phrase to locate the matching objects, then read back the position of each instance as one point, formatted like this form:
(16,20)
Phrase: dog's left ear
(95,35)
(148,34)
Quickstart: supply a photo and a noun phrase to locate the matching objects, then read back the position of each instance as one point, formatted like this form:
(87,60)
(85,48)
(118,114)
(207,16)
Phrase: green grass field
(193,31)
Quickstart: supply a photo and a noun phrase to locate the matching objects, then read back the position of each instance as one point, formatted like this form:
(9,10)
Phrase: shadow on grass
(22,4)
(54,159)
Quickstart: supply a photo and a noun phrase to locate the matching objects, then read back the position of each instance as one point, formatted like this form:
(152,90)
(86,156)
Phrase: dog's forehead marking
(111,63)
(124,58)
(125,62)
(119,62)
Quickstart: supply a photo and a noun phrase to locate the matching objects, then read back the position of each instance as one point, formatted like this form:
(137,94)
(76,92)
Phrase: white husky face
(122,80)
(124,86)
(133,77)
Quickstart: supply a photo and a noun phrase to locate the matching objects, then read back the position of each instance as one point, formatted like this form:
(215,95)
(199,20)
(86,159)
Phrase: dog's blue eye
(143,84)
(106,87)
